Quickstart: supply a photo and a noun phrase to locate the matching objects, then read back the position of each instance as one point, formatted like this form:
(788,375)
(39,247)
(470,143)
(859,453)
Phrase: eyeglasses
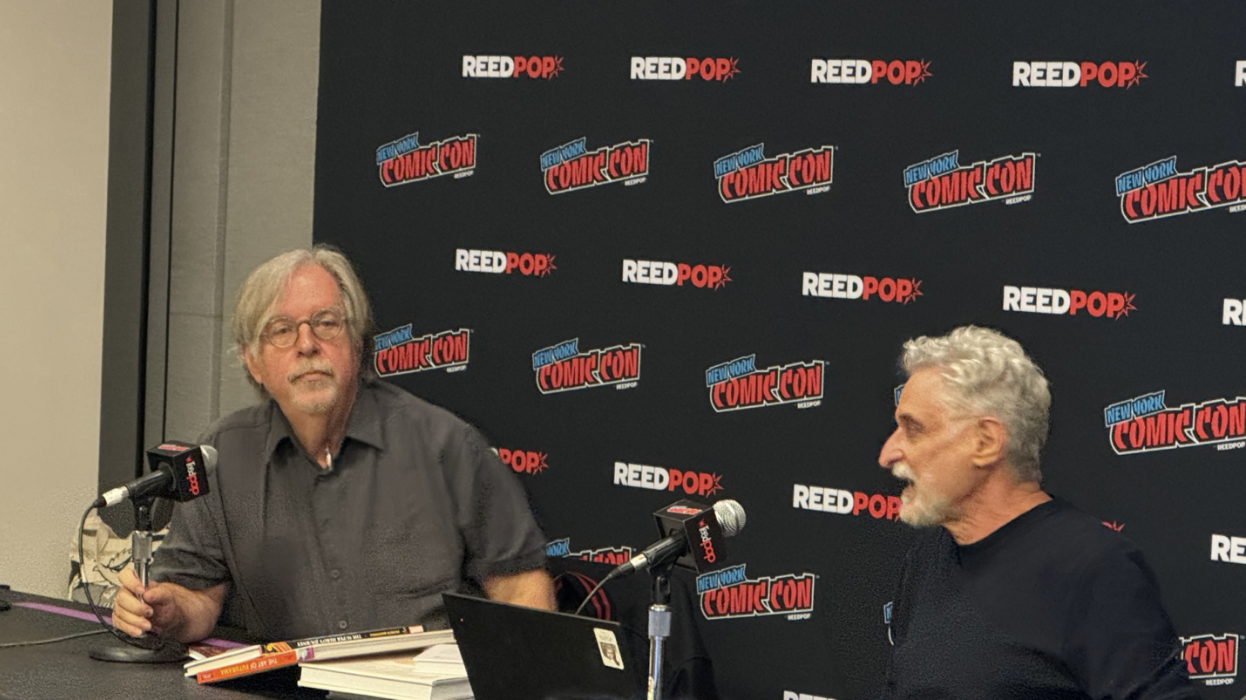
(283,332)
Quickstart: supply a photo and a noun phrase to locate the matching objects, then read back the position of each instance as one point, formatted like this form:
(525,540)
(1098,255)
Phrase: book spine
(266,662)
(330,639)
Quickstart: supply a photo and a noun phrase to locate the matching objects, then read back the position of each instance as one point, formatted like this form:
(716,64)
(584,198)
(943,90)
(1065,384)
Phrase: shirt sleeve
(1122,644)
(500,535)
(191,554)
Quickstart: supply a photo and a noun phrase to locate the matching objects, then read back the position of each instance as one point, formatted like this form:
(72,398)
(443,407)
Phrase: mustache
(901,471)
(306,369)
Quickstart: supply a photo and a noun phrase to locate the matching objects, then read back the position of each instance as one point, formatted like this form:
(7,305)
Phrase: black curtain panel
(671,250)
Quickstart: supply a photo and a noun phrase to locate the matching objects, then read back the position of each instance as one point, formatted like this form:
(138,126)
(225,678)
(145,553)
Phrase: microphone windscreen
(209,457)
(730,516)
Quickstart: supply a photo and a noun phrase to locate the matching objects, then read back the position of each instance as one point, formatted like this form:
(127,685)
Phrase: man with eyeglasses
(340,503)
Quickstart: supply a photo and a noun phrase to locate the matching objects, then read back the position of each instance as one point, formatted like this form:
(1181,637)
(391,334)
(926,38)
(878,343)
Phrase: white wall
(55,57)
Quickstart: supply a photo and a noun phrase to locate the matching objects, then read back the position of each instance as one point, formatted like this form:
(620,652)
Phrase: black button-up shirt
(415,505)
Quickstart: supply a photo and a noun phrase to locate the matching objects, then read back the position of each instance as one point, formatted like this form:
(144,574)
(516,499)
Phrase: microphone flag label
(698,525)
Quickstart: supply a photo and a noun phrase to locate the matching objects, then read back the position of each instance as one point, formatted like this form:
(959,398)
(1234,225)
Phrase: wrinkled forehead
(309,289)
(925,392)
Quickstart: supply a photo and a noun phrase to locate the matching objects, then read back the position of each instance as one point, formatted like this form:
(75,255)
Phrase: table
(64,671)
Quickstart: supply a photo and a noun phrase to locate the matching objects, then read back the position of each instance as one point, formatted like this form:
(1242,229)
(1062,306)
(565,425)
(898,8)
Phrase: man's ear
(990,442)
(254,366)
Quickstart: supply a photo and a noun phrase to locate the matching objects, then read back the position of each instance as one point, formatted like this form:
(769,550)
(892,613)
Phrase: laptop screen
(517,653)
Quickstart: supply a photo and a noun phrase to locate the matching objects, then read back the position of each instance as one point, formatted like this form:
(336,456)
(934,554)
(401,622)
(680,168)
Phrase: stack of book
(436,674)
(266,657)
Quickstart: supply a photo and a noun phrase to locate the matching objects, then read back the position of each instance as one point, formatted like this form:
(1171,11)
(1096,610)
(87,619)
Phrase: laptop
(517,653)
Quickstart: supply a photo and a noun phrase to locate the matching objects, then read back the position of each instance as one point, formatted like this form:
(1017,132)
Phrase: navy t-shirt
(1052,605)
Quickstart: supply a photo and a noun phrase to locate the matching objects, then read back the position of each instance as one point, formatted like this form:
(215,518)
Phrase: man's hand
(166,609)
(534,589)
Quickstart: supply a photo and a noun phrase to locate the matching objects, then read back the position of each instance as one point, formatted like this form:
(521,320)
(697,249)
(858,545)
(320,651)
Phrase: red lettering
(895,72)
(1116,304)
(904,288)
(877,70)
(1077,300)
(683,272)
(1089,71)
(715,276)
(706,484)
(1108,74)
(1128,71)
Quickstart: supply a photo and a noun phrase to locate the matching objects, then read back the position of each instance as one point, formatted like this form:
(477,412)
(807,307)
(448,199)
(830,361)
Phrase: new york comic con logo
(400,352)
(405,161)
(739,384)
(601,555)
(572,166)
(729,593)
(1146,424)
(749,174)
(563,367)
(942,182)
(1159,190)
(1211,658)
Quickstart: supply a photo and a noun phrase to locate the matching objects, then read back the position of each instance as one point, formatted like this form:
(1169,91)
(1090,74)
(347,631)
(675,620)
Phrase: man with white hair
(1013,593)
(340,503)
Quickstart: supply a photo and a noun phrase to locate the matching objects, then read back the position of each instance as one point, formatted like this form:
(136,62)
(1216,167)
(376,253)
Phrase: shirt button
(341,624)
(335,574)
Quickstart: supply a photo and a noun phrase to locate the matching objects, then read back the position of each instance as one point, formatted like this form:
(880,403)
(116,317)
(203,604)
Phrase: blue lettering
(730,370)
(567,349)
(558,548)
(1139,407)
(1160,170)
(717,374)
(739,159)
(708,582)
(540,358)
(915,174)
(930,168)
(393,149)
(391,338)
(550,355)
(563,153)
(1129,181)
(744,365)
(1117,413)
(717,579)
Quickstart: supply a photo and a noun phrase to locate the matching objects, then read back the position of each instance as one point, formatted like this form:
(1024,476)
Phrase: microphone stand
(149,648)
(659,626)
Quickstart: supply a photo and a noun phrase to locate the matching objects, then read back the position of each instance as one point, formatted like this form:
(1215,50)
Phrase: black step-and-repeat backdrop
(665,250)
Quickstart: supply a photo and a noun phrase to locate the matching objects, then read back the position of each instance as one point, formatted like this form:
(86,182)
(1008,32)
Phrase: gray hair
(263,287)
(986,372)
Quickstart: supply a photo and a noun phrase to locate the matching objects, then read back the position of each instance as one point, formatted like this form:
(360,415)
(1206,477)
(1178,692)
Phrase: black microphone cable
(613,574)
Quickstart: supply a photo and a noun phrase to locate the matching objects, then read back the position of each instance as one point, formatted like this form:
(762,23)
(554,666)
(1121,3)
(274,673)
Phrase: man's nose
(308,343)
(890,453)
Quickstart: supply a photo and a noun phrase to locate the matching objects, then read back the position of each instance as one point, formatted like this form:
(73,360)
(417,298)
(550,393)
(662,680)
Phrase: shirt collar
(364,424)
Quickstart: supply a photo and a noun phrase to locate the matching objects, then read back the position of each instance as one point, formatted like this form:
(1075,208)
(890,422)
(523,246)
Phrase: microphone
(178,471)
(693,536)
